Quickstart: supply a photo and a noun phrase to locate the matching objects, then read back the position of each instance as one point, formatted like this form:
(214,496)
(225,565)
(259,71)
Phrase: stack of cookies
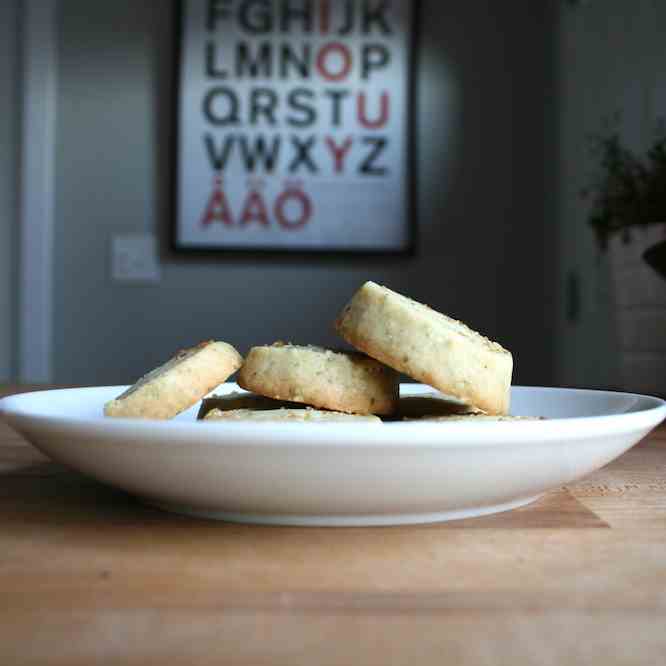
(391,333)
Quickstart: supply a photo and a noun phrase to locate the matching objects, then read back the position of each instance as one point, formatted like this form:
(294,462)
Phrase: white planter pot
(639,296)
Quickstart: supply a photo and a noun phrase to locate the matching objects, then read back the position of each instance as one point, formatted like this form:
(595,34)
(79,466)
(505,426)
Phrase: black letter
(260,152)
(213,116)
(368,165)
(259,22)
(348,25)
(303,149)
(216,10)
(262,60)
(375,15)
(265,108)
(302,65)
(336,109)
(296,102)
(211,66)
(218,156)
(303,12)
(368,62)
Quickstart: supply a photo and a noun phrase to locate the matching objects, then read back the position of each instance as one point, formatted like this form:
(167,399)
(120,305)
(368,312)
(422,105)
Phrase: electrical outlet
(134,259)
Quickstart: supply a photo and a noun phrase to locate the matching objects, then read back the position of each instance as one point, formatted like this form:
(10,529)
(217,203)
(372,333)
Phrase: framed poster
(294,126)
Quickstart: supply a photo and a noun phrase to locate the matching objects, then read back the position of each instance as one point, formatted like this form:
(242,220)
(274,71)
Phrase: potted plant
(628,193)
(628,215)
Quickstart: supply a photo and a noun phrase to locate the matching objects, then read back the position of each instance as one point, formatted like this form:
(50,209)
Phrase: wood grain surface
(89,575)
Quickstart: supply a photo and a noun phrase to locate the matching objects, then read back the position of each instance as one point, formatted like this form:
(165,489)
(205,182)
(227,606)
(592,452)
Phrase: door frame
(9,108)
(37,190)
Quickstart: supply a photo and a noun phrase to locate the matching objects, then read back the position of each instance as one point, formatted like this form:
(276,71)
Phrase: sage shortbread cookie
(429,347)
(430,405)
(242,401)
(477,416)
(339,381)
(178,384)
(301,415)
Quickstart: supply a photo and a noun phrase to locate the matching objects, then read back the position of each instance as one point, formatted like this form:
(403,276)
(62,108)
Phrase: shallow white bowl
(338,473)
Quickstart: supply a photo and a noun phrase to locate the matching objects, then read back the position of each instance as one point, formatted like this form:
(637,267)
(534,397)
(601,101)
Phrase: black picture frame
(328,252)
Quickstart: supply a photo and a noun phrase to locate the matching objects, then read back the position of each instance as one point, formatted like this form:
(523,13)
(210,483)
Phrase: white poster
(294,125)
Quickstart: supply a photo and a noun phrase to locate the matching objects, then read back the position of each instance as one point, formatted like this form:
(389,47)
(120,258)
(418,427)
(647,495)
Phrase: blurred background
(507,94)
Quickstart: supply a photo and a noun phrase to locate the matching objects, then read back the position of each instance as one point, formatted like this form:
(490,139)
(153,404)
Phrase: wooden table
(89,575)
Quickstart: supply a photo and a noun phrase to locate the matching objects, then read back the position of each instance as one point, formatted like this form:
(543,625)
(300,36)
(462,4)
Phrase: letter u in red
(384,111)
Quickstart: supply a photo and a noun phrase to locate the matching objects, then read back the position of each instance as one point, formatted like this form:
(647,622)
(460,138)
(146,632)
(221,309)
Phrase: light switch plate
(134,259)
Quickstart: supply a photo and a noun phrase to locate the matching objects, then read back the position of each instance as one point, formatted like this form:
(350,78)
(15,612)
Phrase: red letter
(218,208)
(254,210)
(363,115)
(339,152)
(301,199)
(346,65)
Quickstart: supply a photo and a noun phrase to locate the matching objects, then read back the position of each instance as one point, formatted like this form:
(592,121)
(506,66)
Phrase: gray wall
(9,127)
(485,250)
(612,58)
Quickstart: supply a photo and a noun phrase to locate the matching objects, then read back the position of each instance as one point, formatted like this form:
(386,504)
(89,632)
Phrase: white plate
(338,473)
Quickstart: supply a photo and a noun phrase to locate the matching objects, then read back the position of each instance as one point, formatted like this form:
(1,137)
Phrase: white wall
(9,128)
(484,112)
(612,57)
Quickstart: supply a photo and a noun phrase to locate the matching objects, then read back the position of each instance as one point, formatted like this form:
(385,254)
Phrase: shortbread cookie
(430,406)
(301,415)
(178,384)
(235,401)
(429,347)
(342,382)
(477,416)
